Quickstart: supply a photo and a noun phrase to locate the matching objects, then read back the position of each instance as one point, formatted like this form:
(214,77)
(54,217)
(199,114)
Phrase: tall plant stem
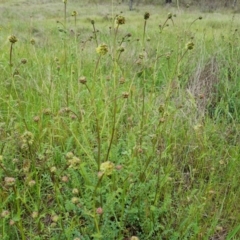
(10,55)
(113,127)
(144,32)
(97,127)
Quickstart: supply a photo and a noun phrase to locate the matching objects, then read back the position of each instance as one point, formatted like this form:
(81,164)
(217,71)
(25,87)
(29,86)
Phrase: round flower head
(74,13)
(189,45)
(12,39)
(32,41)
(169,15)
(134,238)
(107,167)
(9,181)
(23,60)
(146,15)
(65,1)
(120,20)
(102,49)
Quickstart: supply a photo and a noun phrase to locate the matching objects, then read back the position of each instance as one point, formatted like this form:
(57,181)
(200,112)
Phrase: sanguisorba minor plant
(95,143)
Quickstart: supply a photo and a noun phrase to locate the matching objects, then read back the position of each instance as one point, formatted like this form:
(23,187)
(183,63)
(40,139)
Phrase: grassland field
(118,124)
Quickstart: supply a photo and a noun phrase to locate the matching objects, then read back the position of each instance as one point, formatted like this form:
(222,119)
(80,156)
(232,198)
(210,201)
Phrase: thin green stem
(10,55)
(113,127)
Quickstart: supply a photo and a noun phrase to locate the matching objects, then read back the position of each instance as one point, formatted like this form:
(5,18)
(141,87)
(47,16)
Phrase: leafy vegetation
(118,124)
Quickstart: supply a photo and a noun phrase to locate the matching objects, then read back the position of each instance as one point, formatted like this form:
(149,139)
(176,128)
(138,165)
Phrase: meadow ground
(118,124)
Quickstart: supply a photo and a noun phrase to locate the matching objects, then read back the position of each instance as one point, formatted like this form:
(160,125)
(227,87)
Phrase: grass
(137,140)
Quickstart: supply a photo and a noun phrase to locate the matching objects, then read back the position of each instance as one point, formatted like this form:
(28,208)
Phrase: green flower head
(107,168)
(102,49)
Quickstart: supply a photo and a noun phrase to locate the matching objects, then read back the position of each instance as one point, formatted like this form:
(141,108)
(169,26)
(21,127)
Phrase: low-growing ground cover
(118,124)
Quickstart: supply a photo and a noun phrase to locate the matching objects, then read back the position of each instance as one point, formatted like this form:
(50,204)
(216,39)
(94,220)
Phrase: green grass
(142,141)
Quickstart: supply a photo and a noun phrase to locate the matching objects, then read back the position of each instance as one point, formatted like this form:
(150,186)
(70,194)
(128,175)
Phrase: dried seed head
(120,49)
(23,60)
(200,18)
(119,167)
(189,45)
(11,222)
(92,22)
(65,179)
(9,181)
(168,55)
(74,13)
(47,111)
(69,155)
(120,20)
(32,41)
(5,213)
(102,49)
(12,39)
(169,15)
(122,80)
(27,138)
(74,162)
(82,80)
(31,183)
(125,94)
(146,15)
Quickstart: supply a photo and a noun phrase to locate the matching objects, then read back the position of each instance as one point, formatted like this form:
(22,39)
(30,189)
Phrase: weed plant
(119,126)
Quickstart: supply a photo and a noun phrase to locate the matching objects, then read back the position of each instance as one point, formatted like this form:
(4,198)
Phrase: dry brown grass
(203,85)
